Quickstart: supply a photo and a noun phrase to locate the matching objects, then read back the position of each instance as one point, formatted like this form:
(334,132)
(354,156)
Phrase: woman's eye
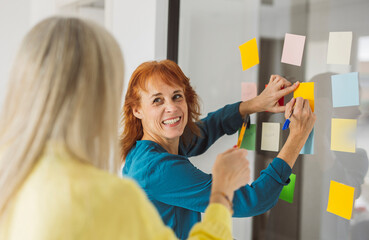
(177,96)
(157,100)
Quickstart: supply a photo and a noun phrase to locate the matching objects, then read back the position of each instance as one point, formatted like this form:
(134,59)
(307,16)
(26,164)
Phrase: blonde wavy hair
(65,85)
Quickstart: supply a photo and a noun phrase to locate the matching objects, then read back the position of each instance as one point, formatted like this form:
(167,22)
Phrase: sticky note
(248,90)
(345,89)
(343,135)
(288,190)
(249,54)
(308,148)
(293,49)
(341,199)
(270,133)
(281,100)
(339,48)
(306,91)
(249,139)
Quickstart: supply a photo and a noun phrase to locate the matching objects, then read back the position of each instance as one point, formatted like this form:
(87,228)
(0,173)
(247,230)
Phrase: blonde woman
(59,127)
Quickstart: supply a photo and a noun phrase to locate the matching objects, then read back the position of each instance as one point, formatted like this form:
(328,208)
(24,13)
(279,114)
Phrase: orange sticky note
(249,54)
(306,91)
(341,199)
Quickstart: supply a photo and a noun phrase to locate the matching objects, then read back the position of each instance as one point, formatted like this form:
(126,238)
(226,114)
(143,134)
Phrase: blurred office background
(203,36)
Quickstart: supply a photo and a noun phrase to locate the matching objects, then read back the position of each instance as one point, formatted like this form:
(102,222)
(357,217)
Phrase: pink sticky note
(248,91)
(293,49)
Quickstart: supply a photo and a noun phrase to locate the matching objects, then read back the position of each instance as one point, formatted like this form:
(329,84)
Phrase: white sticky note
(270,134)
(339,48)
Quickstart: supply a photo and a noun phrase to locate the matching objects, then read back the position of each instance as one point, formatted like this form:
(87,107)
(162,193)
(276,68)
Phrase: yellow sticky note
(249,54)
(343,134)
(341,199)
(306,91)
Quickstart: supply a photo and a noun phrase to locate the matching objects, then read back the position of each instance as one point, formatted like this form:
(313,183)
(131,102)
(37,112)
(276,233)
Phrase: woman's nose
(170,106)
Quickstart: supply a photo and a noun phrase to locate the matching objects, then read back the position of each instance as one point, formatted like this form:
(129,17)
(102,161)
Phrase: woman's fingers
(279,81)
(287,90)
(282,86)
(306,108)
(241,151)
(298,105)
(282,82)
(277,88)
(289,107)
(279,109)
(233,166)
(272,78)
(230,150)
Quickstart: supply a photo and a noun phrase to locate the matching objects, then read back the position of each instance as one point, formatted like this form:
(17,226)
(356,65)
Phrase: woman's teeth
(171,121)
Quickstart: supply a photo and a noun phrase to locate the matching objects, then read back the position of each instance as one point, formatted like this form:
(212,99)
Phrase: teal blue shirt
(180,191)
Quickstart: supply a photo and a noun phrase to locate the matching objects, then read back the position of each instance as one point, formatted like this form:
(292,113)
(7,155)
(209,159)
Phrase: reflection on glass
(343,167)
(210,33)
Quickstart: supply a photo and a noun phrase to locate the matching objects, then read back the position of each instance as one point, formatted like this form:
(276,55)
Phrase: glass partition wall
(210,32)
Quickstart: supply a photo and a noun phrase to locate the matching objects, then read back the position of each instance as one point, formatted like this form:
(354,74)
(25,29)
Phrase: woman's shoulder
(146,158)
(78,197)
(147,151)
(110,184)
(148,146)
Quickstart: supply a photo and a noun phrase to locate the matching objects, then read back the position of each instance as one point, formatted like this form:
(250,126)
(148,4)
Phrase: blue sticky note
(345,89)
(308,148)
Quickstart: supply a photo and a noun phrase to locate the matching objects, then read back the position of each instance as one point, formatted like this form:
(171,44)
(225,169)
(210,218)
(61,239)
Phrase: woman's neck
(170,145)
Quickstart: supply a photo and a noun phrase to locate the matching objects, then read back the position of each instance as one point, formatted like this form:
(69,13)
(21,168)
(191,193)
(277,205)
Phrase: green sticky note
(287,191)
(249,139)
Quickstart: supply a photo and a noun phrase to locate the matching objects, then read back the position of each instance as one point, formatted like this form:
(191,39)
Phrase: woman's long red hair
(167,72)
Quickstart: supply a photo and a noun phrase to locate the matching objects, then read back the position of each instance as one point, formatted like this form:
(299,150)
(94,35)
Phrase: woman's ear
(137,112)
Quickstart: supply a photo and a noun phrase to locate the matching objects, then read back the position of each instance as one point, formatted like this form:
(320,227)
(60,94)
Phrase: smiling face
(163,112)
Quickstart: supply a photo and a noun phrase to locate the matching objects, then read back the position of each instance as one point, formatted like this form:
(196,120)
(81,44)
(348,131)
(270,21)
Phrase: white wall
(16,18)
(40,9)
(140,27)
(14,23)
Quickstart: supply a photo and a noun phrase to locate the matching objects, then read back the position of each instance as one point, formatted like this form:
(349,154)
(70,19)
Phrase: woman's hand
(302,119)
(230,172)
(302,122)
(277,88)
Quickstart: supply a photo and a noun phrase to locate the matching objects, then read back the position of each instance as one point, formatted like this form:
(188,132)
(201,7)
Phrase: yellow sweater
(63,198)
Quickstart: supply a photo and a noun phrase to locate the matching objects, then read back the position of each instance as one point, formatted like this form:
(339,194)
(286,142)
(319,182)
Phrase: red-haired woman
(162,130)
